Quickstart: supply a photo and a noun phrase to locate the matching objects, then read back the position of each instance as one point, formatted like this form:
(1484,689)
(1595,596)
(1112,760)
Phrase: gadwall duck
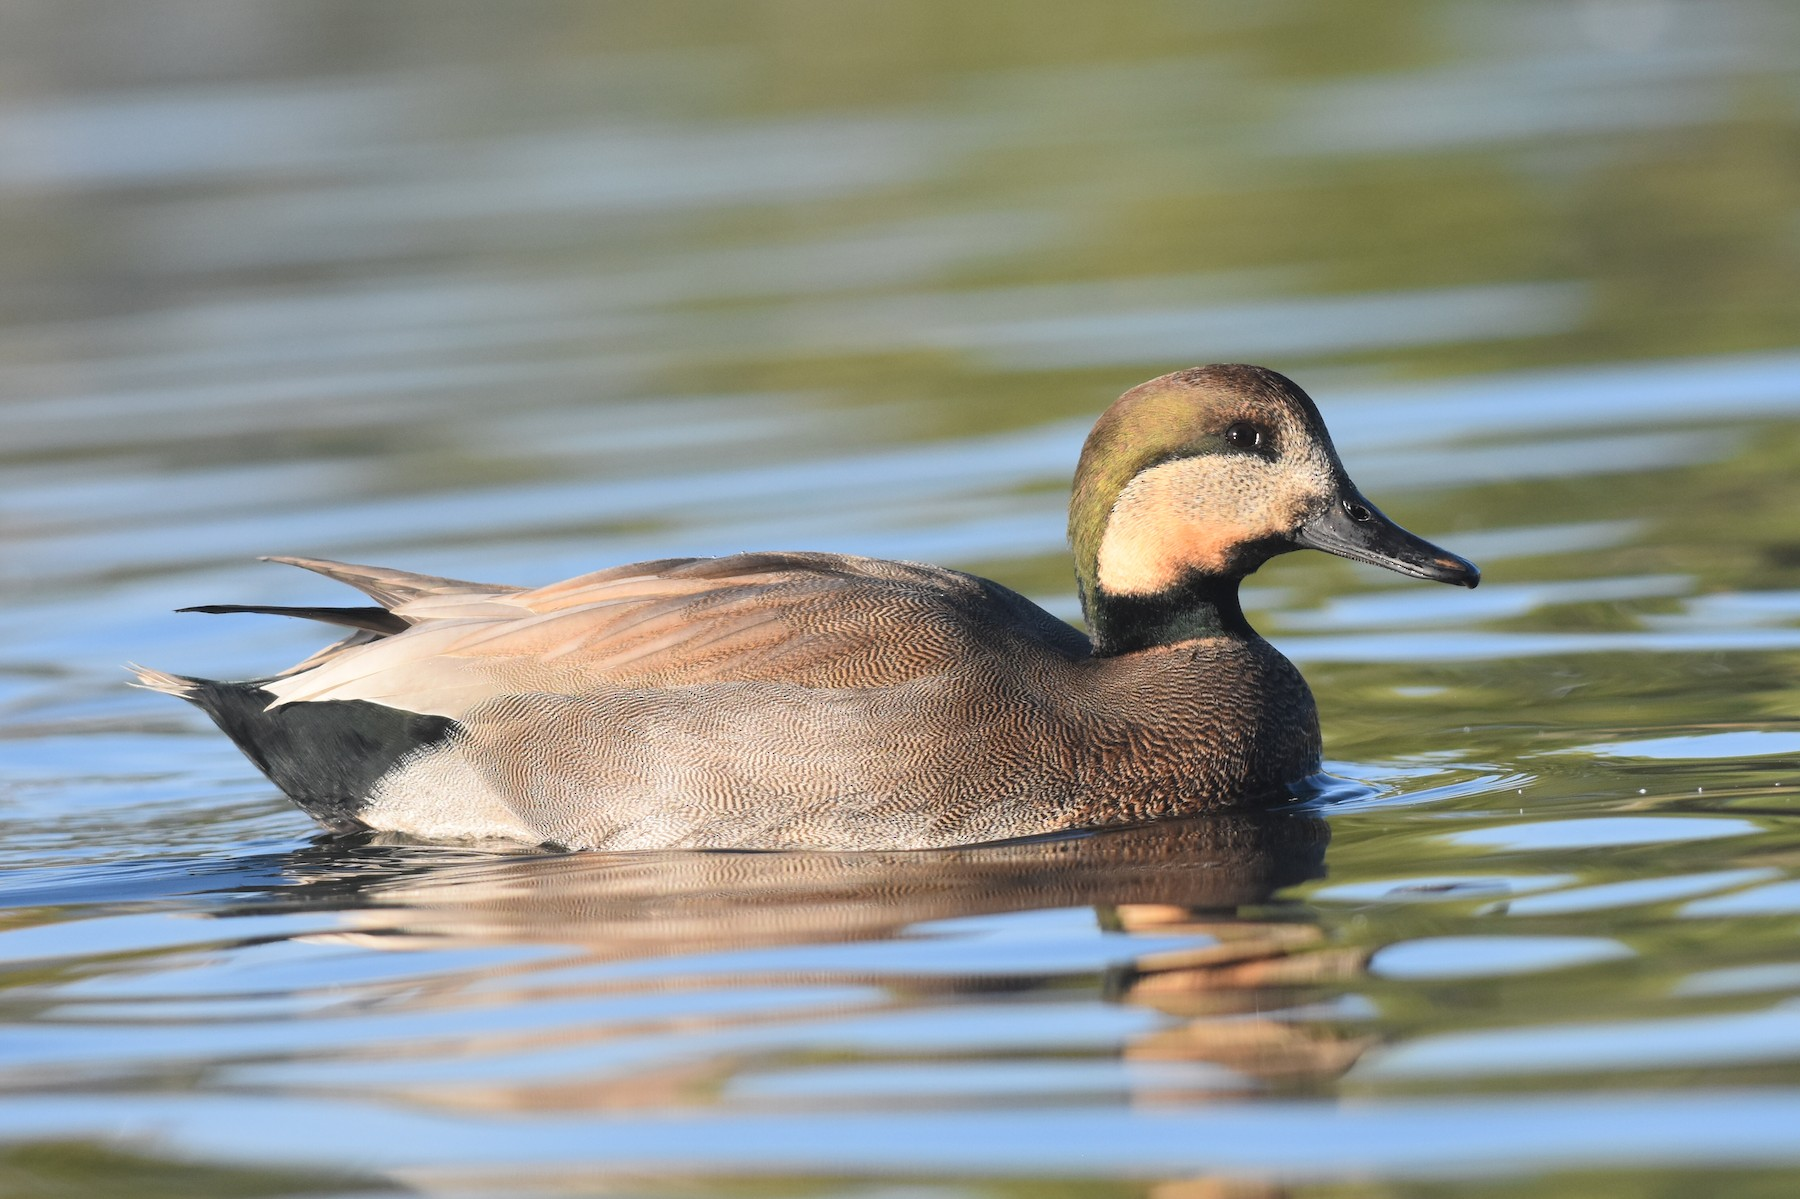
(820,701)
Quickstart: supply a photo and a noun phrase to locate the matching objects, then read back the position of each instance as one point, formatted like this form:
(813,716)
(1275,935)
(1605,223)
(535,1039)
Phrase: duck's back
(812,620)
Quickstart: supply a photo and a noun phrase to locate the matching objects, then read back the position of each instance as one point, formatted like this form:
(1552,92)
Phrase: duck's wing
(812,620)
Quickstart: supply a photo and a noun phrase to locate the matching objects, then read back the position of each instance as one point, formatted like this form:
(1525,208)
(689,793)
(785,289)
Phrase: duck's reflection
(658,904)
(1225,981)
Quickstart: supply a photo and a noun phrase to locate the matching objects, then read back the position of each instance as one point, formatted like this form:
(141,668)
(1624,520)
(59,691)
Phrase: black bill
(1355,529)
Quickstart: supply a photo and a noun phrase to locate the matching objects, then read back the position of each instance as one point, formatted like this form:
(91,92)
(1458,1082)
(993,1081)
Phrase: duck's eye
(1245,436)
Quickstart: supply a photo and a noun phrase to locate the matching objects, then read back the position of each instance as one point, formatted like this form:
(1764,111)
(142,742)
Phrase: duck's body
(778,701)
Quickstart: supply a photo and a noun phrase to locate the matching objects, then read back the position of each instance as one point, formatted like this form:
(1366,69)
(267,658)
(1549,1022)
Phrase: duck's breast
(1202,724)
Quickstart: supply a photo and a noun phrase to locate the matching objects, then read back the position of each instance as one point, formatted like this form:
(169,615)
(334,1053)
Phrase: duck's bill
(1355,529)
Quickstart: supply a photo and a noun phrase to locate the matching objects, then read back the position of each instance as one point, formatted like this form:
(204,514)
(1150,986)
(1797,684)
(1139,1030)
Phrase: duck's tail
(151,679)
(373,620)
(328,757)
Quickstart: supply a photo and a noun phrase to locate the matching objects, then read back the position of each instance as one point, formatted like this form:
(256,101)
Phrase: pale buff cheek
(1192,515)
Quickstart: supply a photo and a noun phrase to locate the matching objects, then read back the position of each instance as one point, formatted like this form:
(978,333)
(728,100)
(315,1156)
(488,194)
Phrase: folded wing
(812,620)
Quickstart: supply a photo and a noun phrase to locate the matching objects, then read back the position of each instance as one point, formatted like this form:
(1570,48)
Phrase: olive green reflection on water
(70,1169)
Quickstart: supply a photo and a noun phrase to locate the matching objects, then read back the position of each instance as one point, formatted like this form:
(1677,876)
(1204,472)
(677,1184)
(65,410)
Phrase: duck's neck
(1200,605)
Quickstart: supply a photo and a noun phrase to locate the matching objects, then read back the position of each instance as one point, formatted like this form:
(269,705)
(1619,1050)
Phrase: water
(512,292)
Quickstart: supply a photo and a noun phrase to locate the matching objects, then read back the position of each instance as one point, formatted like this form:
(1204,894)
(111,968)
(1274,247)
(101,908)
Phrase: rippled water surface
(514,291)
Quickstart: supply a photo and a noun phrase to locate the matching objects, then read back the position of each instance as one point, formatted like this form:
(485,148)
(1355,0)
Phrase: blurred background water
(514,291)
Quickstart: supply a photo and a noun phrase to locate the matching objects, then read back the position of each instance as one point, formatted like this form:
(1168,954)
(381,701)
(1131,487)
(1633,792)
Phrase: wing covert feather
(812,620)
(384,584)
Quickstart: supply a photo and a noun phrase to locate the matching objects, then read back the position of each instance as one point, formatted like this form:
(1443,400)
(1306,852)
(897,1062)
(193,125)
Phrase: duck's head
(1191,481)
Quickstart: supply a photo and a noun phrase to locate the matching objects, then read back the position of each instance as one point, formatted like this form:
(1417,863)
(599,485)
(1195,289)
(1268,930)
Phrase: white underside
(436,797)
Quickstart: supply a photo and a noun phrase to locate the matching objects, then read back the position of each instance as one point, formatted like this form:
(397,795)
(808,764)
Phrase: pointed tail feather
(151,679)
(375,620)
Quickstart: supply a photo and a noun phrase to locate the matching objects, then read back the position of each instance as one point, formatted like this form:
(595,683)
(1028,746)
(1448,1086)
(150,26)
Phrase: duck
(815,701)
